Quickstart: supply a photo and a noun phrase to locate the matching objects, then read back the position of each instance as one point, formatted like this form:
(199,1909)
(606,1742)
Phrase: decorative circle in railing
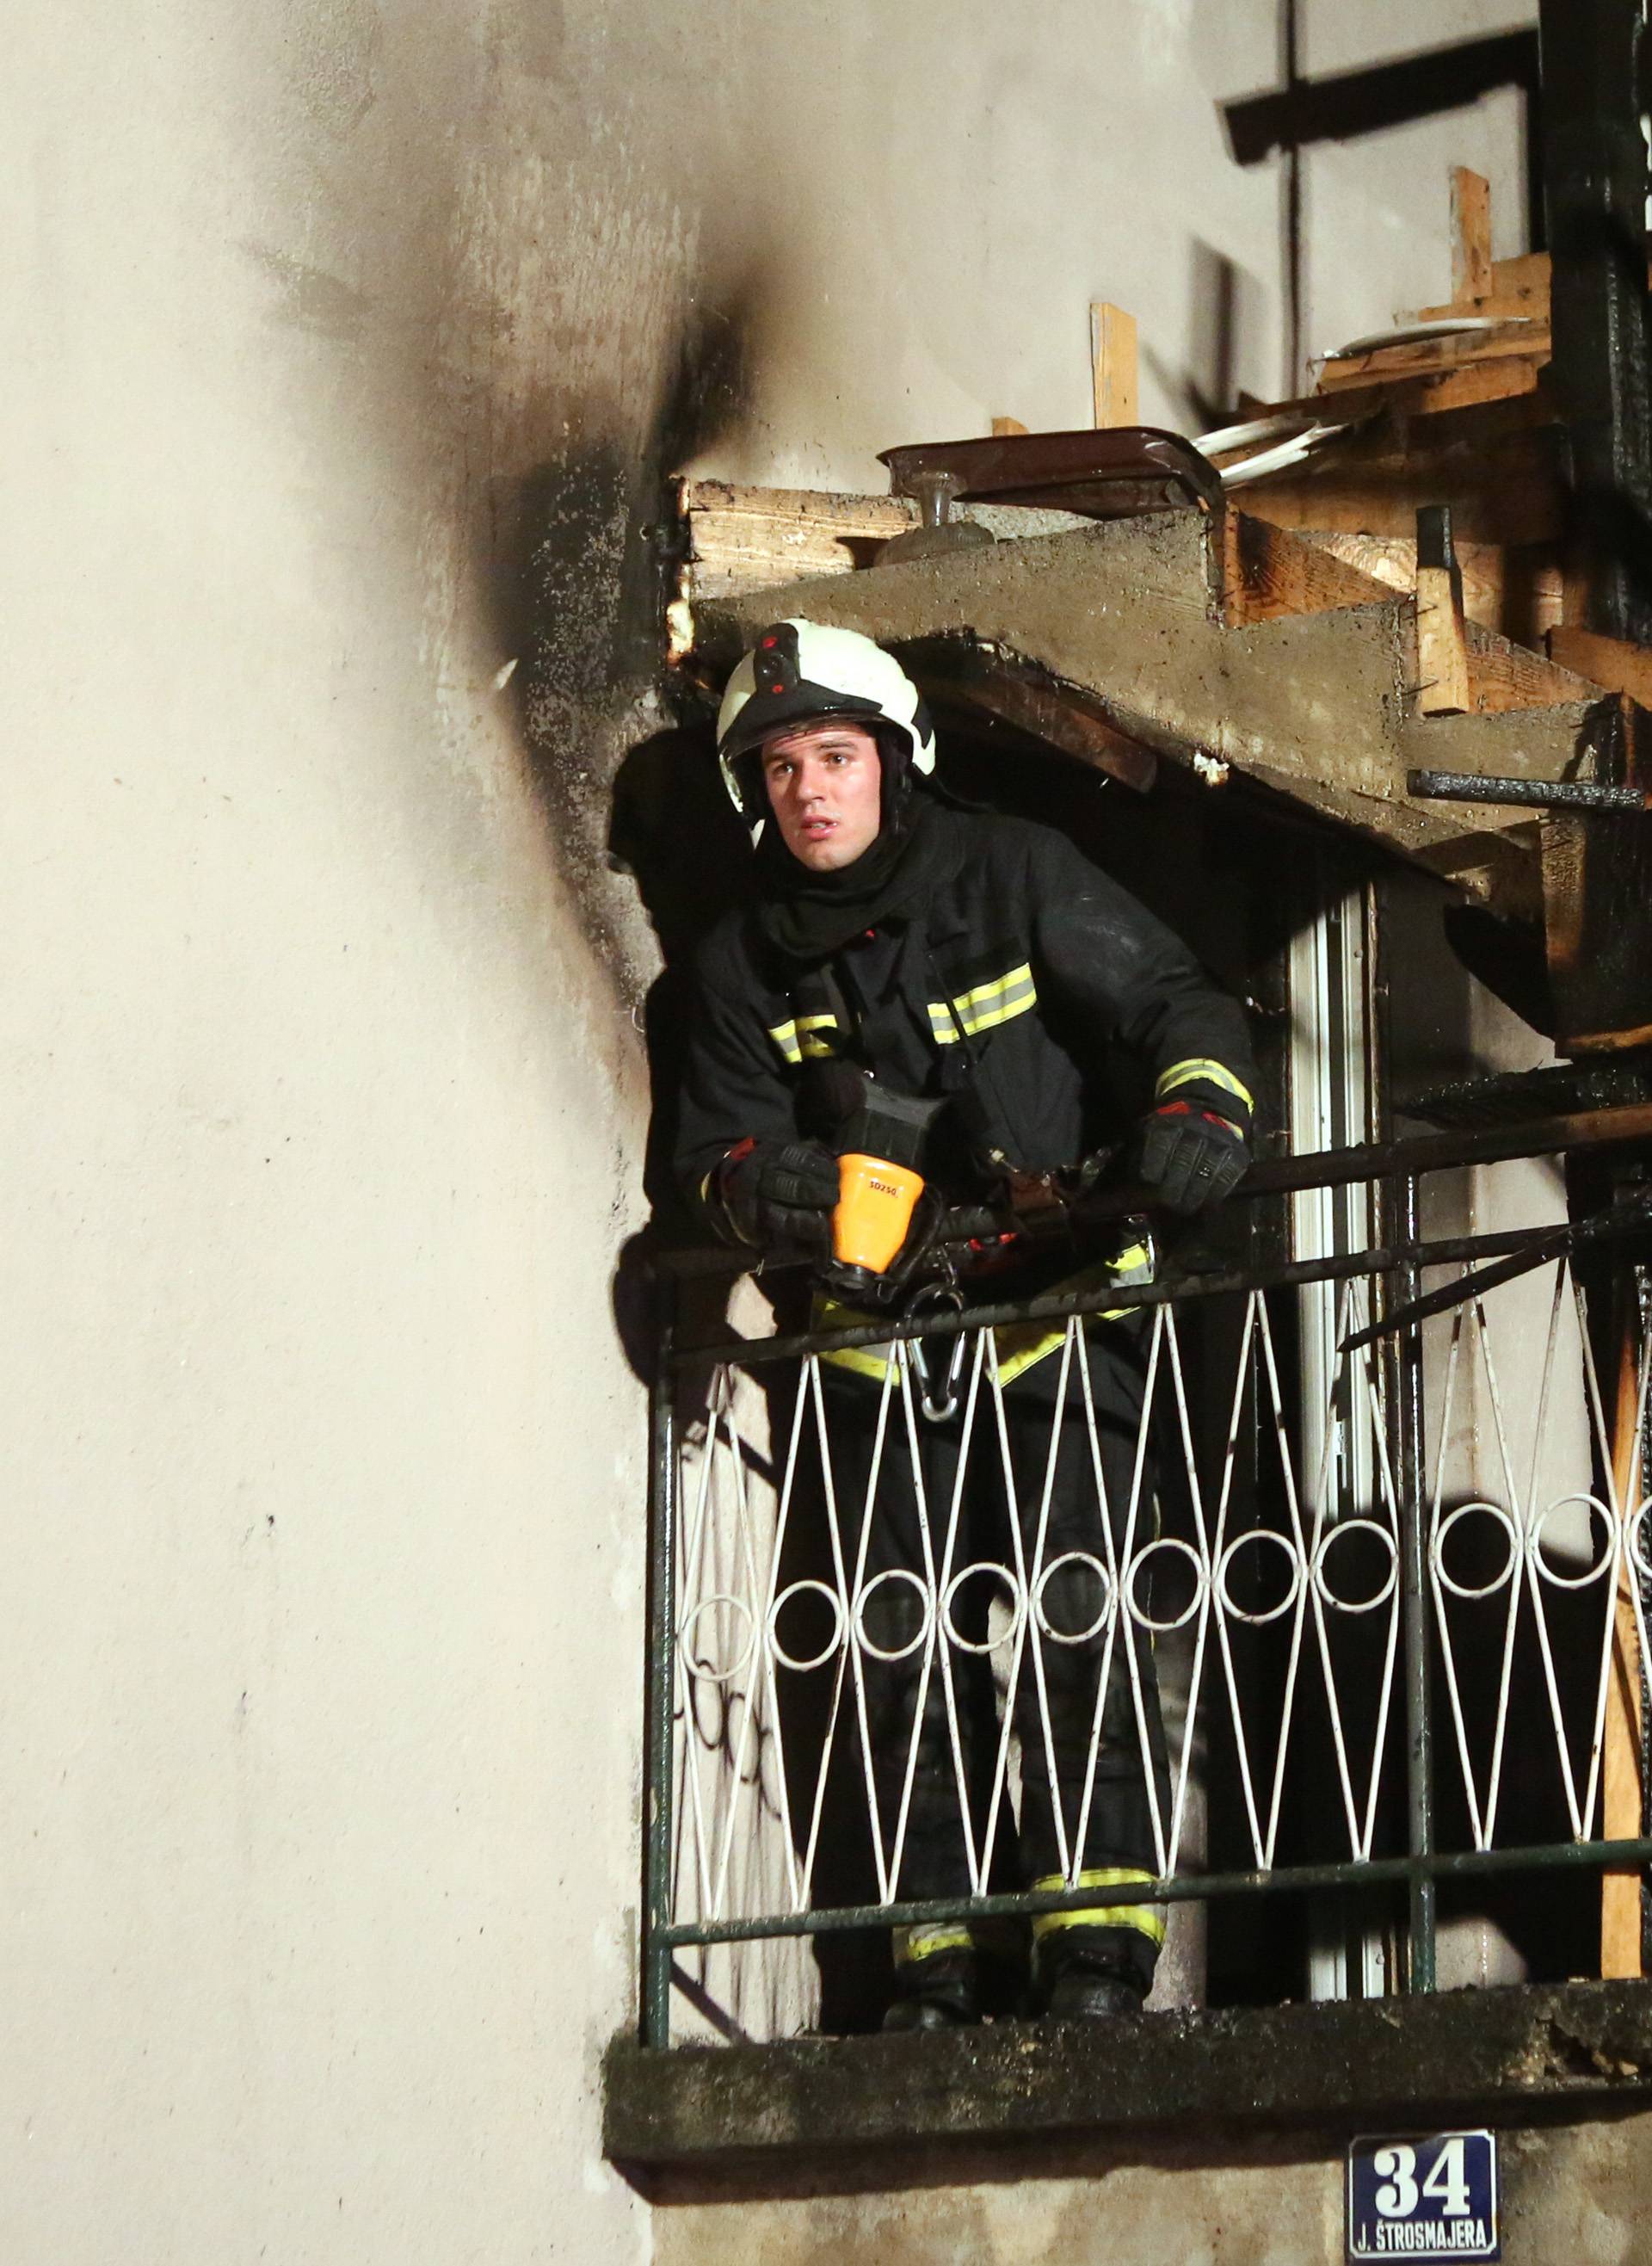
(857,1620)
(703,1668)
(1073,1636)
(1321,1580)
(1240,1542)
(1437,1550)
(1017,1609)
(1201,1583)
(1540,1565)
(833,1643)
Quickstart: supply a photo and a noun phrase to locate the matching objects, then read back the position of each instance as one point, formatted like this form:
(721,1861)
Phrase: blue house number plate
(1433,2197)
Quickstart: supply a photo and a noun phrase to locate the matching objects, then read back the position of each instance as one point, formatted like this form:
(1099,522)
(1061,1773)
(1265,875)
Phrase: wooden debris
(1268,571)
(1113,364)
(1470,234)
(1620,1797)
(1442,686)
(1608,661)
(747,538)
(1523,338)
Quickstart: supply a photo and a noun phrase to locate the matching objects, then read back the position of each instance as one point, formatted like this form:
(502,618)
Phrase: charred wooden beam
(1594,193)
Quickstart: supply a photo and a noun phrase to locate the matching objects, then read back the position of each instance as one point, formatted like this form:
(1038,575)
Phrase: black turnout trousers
(1057,1721)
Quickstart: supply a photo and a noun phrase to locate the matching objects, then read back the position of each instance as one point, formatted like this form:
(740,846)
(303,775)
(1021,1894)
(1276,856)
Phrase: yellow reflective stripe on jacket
(785,1037)
(1148,1920)
(1209,1073)
(1018,1345)
(984,1007)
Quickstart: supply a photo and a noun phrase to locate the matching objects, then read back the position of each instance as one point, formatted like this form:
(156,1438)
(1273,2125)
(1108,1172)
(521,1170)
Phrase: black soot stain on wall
(577,583)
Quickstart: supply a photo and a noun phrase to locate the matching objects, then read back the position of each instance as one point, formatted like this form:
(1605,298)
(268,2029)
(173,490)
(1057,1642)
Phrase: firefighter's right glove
(778,1196)
(1190,1157)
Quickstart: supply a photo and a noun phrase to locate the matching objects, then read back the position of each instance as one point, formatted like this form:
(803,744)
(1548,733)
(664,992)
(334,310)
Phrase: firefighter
(979,966)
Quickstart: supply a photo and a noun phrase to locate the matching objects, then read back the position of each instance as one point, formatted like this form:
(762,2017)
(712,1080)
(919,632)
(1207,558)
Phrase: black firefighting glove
(778,1196)
(1190,1157)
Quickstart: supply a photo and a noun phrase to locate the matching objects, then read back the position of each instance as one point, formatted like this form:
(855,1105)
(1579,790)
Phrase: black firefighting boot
(1078,1986)
(1082,1973)
(937,1981)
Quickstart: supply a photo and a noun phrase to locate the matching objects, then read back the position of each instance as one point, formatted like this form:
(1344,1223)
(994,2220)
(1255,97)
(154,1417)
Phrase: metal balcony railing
(1397,1648)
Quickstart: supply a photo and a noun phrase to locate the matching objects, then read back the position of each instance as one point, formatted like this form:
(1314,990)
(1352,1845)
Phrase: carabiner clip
(939,1408)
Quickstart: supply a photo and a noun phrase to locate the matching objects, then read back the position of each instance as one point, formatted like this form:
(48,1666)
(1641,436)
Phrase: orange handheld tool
(874,1210)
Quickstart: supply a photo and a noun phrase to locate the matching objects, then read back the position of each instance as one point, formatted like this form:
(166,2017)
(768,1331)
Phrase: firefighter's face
(825,787)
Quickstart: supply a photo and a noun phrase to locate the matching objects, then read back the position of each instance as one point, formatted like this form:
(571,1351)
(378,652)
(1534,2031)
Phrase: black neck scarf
(807,916)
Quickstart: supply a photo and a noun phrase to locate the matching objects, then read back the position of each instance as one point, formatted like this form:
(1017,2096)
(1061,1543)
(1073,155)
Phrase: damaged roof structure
(1376,600)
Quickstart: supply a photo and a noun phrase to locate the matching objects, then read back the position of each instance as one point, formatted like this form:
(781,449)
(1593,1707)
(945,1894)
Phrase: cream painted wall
(339,340)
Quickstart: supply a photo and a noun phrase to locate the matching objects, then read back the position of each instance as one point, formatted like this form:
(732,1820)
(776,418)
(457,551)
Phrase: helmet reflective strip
(1208,1073)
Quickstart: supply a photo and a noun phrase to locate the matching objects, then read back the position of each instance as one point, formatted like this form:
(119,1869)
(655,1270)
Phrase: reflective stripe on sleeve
(806,1039)
(1206,1074)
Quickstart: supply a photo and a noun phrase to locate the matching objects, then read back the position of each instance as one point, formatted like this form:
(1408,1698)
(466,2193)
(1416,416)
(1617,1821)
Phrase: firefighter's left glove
(778,1196)
(1190,1157)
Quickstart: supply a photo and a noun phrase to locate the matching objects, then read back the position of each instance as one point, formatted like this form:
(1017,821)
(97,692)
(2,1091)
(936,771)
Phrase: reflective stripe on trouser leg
(1146,1919)
(921,1943)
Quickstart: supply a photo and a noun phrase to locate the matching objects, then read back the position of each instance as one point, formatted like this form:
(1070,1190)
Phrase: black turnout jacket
(1029,992)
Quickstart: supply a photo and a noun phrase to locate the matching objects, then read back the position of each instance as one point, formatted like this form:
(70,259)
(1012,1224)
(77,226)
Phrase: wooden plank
(1470,234)
(1113,364)
(1392,560)
(1526,275)
(1442,683)
(1504,487)
(1504,378)
(1512,588)
(753,538)
(1621,1800)
(1609,661)
(1504,675)
(1516,287)
(1268,571)
(1419,357)
(1056,714)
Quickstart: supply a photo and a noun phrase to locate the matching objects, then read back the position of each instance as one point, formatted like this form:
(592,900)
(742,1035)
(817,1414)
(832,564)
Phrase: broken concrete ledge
(904,2110)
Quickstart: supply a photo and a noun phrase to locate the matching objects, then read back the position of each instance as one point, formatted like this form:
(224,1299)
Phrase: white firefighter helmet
(798,671)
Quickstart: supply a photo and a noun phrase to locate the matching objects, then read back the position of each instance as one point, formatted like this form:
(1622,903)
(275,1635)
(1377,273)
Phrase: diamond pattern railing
(1527,1531)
